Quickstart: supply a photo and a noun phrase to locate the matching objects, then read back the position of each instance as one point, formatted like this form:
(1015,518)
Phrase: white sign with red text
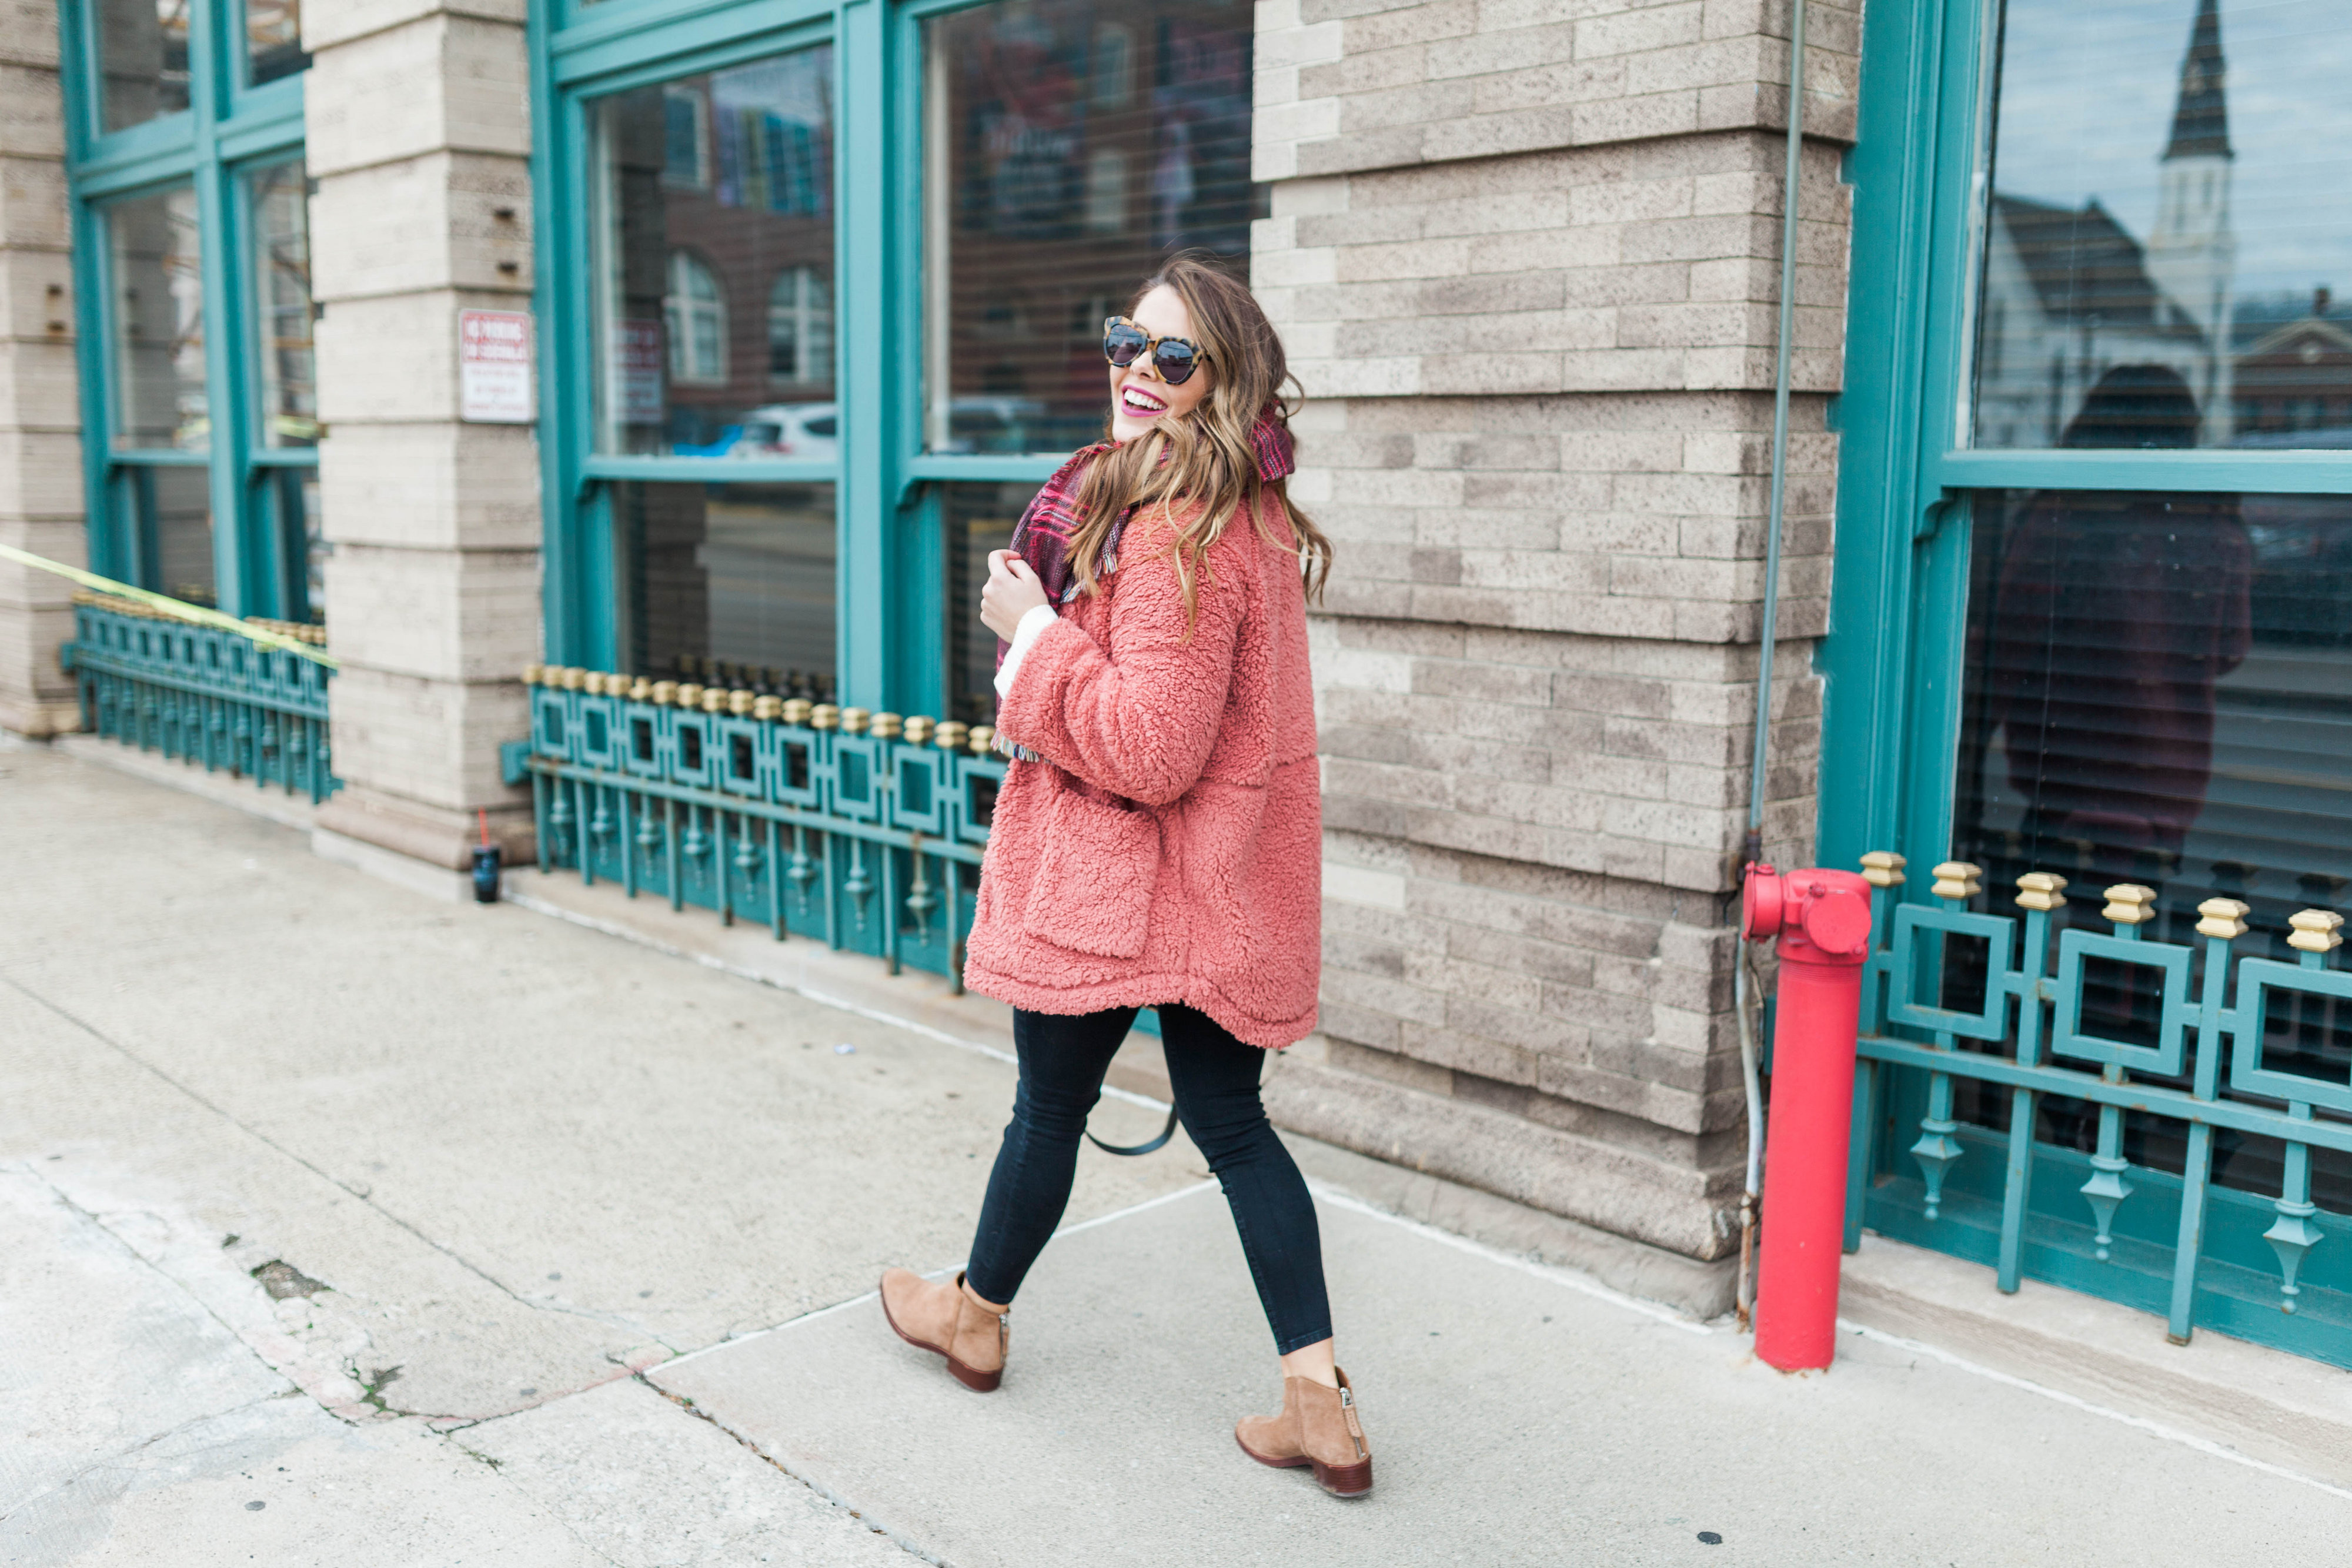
(494,368)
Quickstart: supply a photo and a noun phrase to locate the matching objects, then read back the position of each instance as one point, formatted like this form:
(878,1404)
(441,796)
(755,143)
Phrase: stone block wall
(419,138)
(1525,256)
(41,424)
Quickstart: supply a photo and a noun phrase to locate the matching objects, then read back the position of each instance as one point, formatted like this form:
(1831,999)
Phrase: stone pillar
(1525,260)
(419,135)
(40,423)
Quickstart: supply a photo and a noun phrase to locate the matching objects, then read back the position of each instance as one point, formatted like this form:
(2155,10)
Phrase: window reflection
(273,40)
(2154,693)
(156,257)
(167,518)
(714,263)
(1071,144)
(2154,167)
(143,55)
(977,520)
(728,584)
(282,315)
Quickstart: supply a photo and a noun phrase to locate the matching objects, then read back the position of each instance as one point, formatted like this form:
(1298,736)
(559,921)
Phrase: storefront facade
(811,295)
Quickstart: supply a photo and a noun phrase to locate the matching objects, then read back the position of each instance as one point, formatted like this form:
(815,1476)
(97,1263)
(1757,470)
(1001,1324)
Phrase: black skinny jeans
(1214,1077)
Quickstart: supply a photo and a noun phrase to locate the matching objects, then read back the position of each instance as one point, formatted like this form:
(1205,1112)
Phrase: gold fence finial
(2316,931)
(2129,903)
(1956,880)
(982,739)
(2223,917)
(1884,868)
(2043,890)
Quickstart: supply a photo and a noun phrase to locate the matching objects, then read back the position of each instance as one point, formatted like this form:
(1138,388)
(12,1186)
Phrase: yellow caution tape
(178,607)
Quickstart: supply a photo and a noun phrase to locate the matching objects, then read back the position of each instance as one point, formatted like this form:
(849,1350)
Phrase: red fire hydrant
(1823,921)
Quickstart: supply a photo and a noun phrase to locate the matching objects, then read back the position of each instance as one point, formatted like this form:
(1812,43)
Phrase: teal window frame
(1898,598)
(229,131)
(892,603)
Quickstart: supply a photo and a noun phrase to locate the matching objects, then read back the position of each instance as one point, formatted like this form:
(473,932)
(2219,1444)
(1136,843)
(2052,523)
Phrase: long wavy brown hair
(1209,458)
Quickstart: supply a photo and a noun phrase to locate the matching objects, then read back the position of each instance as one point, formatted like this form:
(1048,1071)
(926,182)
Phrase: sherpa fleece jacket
(1167,847)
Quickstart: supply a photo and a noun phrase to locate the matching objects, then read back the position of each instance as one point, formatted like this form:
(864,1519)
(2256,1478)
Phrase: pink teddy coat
(1167,847)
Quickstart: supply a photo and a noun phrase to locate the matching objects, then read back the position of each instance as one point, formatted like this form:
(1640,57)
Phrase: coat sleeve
(1139,716)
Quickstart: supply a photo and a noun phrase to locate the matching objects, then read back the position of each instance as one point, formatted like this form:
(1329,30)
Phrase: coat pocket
(1093,891)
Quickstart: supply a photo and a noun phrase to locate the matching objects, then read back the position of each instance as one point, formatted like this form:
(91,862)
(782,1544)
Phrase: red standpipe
(1823,921)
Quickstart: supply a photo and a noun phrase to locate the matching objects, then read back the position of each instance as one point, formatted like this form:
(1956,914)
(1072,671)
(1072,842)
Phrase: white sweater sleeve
(1033,626)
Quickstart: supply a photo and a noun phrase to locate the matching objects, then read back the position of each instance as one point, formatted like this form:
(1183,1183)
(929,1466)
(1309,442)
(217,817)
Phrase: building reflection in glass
(1070,146)
(2151,204)
(713,237)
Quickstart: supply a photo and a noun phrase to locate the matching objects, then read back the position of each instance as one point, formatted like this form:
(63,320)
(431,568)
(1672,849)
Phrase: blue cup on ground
(486,874)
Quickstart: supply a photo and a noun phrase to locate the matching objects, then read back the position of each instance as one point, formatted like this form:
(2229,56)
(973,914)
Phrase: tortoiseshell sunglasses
(1175,358)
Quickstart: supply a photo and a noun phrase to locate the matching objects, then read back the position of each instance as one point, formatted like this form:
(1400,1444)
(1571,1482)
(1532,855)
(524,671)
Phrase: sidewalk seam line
(835,1499)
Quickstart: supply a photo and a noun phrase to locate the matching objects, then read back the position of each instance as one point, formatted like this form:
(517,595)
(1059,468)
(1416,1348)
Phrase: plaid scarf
(1041,537)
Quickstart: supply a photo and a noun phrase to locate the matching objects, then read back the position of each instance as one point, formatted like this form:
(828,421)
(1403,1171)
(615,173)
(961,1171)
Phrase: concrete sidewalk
(340,1225)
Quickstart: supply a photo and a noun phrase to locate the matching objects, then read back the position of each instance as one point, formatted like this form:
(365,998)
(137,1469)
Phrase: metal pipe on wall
(1751,849)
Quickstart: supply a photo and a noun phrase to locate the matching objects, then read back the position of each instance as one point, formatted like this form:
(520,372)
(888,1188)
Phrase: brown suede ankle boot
(1318,1426)
(936,1315)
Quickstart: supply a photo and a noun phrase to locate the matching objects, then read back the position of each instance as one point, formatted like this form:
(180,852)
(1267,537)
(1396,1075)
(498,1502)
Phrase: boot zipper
(1347,1408)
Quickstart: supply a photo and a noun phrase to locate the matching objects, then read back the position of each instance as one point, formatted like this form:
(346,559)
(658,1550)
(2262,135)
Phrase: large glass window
(196,343)
(287,360)
(143,61)
(2160,172)
(1071,145)
(711,192)
(2155,693)
(155,256)
(728,584)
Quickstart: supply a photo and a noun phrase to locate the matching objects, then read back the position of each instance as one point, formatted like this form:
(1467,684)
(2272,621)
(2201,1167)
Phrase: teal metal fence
(864,829)
(2134,1118)
(204,695)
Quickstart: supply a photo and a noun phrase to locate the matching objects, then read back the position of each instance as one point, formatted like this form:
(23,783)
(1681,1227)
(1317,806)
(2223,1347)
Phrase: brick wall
(41,424)
(1526,259)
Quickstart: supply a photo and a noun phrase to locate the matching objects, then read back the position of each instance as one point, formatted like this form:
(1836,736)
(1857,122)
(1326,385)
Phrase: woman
(1157,839)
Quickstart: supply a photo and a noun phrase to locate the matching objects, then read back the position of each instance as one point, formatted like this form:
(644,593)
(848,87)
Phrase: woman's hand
(1012,591)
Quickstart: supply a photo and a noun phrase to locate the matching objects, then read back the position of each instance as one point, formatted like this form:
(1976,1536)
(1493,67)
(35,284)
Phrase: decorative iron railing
(862,829)
(203,693)
(2124,1063)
